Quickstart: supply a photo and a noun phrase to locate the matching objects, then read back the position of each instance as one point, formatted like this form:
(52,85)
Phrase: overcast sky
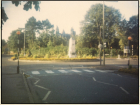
(64,14)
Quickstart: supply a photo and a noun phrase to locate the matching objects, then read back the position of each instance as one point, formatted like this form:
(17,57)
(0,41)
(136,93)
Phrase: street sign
(100,46)
(105,44)
(126,51)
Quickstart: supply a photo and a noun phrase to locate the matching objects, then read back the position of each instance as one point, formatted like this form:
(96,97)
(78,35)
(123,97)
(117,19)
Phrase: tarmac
(15,89)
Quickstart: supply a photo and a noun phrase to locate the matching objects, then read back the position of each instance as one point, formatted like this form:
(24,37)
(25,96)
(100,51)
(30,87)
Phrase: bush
(16,56)
(47,56)
(35,56)
(13,58)
(84,56)
(130,67)
(59,56)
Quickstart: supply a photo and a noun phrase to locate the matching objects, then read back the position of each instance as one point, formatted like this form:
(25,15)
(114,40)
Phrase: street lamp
(129,38)
(103,34)
(18,33)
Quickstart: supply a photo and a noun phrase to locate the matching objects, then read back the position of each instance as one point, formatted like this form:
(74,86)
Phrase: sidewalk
(14,87)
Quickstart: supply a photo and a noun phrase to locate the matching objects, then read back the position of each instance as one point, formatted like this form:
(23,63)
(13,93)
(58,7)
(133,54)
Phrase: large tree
(93,22)
(13,41)
(27,6)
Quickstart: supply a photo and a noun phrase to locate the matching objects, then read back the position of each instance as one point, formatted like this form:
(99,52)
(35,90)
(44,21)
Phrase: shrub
(13,58)
(16,56)
(130,67)
(59,56)
(84,56)
(35,56)
(47,56)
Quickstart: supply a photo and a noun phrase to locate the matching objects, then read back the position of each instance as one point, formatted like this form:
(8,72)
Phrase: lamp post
(99,44)
(103,37)
(132,51)
(129,38)
(103,33)
(18,33)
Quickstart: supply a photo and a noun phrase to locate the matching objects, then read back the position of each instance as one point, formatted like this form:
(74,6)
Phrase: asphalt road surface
(78,82)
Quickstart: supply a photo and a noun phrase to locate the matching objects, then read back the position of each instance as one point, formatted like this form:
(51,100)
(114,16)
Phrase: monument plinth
(72,52)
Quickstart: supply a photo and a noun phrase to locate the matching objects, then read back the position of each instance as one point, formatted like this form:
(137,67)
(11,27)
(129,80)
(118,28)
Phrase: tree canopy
(93,22)
(27,6)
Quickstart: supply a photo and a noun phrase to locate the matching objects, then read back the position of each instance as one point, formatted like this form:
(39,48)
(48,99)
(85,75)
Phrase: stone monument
(72,52)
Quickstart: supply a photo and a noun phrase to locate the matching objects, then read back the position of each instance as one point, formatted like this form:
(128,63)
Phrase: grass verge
(130,70)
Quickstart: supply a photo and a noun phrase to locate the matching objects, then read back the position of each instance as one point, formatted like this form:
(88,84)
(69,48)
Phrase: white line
(49,71)
(63,71)
(75,71)
(124,90)
(46,96)
(41,87)
(94,79)
(35,72)
(119,75)
(88,71)
(100,70)
(36,81)
(107,83)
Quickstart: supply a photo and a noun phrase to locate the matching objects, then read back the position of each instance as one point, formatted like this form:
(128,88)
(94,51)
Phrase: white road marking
(41,87)
(124,90)
(36,81)
(100,70)
(107,83)
(75,71)
(88,71)
(35,72)
(46,96)
(94,79)
(63,71)
(119,75)
(49,71)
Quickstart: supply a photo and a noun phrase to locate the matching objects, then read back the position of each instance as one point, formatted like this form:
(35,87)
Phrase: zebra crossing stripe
(101,70)
(49,71)
(75,71)
(35,72)
(63,71)
(88,71)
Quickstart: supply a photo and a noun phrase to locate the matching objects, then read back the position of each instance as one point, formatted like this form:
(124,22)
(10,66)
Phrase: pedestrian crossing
(45,72)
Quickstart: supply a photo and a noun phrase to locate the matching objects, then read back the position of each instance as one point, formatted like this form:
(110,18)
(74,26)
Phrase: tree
(72,32)
(27,6)
(94,19)
(32,27)
(4,46)
(133,32)
(13,41)
(3,42)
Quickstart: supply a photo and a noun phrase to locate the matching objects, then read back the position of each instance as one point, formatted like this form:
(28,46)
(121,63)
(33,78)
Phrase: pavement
(15,88)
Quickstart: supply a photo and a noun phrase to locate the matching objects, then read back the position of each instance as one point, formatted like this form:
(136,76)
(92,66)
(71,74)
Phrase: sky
(64,14)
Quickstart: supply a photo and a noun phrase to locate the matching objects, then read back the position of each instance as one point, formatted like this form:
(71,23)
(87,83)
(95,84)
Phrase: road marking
(88,71)
(35,72)
(41,87)
(124,90)
(49,71)
(100,70)
(75,71)
(46,96)
(63,71)
(36,81)
(94,79)
(107,83)
(119,75)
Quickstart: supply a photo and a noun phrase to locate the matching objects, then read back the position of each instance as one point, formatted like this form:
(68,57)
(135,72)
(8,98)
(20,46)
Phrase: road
(77,82)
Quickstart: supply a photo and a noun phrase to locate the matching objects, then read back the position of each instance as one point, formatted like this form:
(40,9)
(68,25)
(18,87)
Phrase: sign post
(18,33)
